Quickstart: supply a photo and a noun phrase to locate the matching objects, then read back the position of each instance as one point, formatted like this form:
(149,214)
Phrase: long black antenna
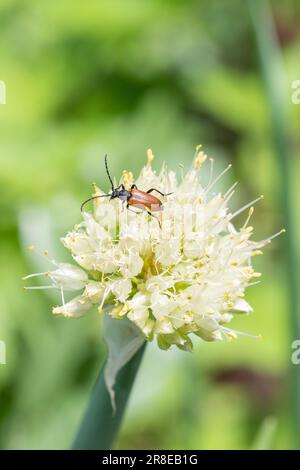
(102,195)
(91,199)
(108,174)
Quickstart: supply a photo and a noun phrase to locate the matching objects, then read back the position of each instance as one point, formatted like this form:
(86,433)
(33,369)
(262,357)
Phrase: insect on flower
(133,197)
(186,280)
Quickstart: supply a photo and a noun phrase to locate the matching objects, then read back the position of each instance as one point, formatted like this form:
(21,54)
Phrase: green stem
(99,425)
(276,89)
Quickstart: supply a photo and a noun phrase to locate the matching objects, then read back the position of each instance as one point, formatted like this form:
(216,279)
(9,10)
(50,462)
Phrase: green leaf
(265,436)
(123,340)
(100,424)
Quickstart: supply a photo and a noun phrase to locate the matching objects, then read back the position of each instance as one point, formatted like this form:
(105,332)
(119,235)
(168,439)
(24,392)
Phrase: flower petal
(77,307)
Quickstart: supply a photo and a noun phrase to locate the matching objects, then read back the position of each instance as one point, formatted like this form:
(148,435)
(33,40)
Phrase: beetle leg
(162,194)
(141,212)
(154,217)
(131,210)
(134,186)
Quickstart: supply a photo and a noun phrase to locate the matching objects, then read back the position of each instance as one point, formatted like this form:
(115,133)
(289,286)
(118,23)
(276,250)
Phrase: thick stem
(99,425)
(276,89)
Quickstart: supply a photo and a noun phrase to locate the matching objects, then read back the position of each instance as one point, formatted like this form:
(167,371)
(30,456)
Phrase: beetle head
(114,193)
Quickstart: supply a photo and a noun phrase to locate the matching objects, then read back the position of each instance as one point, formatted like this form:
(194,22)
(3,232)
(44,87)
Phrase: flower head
(186,274)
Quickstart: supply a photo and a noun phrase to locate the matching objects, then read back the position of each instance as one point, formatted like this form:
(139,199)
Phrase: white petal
(68,276)
(242,306)
(121,289)
(94,291)
(77,307)
(161,305)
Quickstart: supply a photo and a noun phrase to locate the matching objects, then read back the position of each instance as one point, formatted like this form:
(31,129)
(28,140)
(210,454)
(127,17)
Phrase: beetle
(133,198)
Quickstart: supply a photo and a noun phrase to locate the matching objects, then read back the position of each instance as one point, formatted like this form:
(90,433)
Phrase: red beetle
(133,198)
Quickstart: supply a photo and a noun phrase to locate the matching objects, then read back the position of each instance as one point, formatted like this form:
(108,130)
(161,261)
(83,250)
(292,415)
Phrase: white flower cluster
(185,275)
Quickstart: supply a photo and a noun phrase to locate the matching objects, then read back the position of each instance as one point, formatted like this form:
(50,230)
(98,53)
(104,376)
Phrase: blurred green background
(118,77)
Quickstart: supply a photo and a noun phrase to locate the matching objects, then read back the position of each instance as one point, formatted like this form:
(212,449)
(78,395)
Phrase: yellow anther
(231,335)
(120,311)
(187,317)
(249,271)
(125,309)
(30,248)
(127,177)
(256,253)
(199,159)
(150,157)
(96,192)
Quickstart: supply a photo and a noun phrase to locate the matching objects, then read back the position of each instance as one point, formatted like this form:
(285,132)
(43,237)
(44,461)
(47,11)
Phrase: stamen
(251,210)
(62,296)
(211,173)
(242,209)
(256,253)
(44,254)
(268,240)
(106,292)
(96,190)
(127,177)
(247,275)
(230,189)
(150,157)
(200,158)
(40,287)
(34,275)
(229,196)
(197,150)
(253,283)
(211,185)
(242,333)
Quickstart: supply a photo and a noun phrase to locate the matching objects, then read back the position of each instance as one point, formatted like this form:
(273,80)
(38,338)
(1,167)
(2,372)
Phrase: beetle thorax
(122,194)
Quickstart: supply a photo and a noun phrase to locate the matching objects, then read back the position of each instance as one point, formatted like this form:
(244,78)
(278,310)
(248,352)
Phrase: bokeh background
(118,77)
